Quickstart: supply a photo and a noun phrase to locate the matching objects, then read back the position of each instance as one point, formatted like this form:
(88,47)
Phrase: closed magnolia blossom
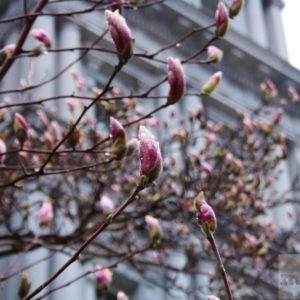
(122,296)
(214,54)
(205,215)
(235,7)
(21,128)
(150,157)
(120,33)
(153,225)
(106,205)
(2,150)
(46,214)
(42,36)
(176,79)
(119,139)
(221,20)
(103,276)
(212,83)
(8,50)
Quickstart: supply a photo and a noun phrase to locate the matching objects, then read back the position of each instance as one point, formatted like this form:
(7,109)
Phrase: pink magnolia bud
(206,167)
(150,157)
(211,297)
(103,276)
(235,7)
(116,4)
(106,205)
(21,128)
(71,104)
(46,214)
(42,36)
(120,33)
(214,54)
(205,215)
(210,138)
(8,50)
(248,124)
(293,94)
(269,89)
(122,296)
(43,118)
(212,83)
(221,20)
(153,225)
(278,117)
(119,139)
(176,80)
(2,150)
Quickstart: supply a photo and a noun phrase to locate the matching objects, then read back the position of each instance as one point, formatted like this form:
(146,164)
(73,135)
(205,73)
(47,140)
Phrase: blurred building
(254,49)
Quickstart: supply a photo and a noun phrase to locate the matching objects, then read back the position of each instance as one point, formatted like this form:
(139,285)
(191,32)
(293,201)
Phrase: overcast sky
(291,20)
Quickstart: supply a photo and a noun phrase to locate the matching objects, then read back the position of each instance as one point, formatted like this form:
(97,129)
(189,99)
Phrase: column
(256,22)
(275,29)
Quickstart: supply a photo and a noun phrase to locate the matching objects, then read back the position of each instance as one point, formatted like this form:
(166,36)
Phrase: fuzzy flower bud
(24,286)
(293,94)
(176,80)
(122,296)
(221,20)
(46,214)
(103,276)
(8,50)
(212,83)
(215,55)
(153,225)
(150,157)
(210,138)
(106,205)
(211,297)
(132,147)
(42,36)
(119,139)
(21,128)
(206,217)
(120,33)
(2,150)
(235,7)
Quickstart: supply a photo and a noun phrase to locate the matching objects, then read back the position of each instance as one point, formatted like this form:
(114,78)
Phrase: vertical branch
(214,247)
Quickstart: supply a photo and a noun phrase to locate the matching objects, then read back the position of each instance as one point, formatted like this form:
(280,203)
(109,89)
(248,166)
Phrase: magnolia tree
(129,195)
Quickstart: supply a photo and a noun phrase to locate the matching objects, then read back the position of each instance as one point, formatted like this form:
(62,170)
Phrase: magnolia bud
(24,286)
(211,297)
(74,138)
(46,214)
(42,36)
(155,232)
(206,217)
(248,124)
(235,8)
(120,33)
(103,276)
(132,147)
(221,20)
(210,138)
(119,139)
(293,94)
(122,296)
(176,80)
(212,83)
(106,205)
(150,157)
(214,54)
(8,50)
(2,150)
(43,118)
(21,128)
